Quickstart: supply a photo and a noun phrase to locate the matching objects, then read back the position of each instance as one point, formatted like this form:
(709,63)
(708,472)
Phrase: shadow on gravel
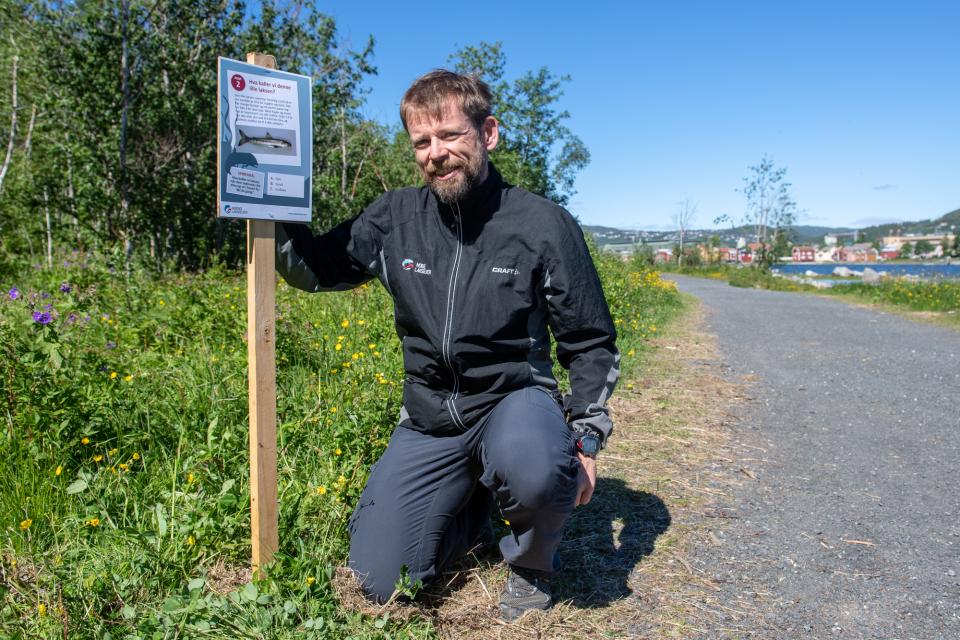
(605,541)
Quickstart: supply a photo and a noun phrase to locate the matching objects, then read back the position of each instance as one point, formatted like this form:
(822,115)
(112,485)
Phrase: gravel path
(847,522)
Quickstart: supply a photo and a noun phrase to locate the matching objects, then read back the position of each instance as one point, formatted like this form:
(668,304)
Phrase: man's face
(451,154)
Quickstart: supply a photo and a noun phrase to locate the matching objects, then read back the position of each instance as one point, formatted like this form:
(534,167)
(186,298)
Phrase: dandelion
(338,346)
(356,356)
(113,375)
(112,452)
(191,541)
(345,323)
(338,452)
(25,524)
(190,478)
(333,409)
(135,456)
(321,490)
(42,609)
(361,322)
(128,377)
(58,471)
(14,293)
(161,302)
(42,317)
(93,522)
(372,346)
(310,580)
(84,440)
(98,457)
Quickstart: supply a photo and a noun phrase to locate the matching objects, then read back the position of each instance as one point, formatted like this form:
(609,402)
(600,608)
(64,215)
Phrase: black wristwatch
(588,444)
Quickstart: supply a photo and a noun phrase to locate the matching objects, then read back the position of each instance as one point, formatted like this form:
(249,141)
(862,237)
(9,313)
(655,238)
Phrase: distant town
(922,240)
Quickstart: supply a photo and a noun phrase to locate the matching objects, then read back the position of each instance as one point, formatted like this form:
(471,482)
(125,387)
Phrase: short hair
(430,93)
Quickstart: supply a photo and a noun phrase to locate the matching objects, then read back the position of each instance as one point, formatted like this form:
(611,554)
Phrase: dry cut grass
(625,555)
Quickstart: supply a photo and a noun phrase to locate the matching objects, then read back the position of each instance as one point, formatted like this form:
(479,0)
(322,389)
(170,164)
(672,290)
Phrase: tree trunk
(13,124)
(46,215)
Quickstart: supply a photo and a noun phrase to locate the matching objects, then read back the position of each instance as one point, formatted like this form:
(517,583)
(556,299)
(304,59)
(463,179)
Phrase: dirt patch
(625,555)
(222,578)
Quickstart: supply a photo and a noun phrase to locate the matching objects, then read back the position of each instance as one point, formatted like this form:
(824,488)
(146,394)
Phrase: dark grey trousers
(429,498)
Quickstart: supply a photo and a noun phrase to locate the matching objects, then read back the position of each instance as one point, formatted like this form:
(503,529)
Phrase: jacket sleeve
(583,329)
(345,257)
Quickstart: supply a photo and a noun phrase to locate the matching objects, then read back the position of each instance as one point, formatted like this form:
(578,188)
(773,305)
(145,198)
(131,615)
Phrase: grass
(935,299)
(124,469)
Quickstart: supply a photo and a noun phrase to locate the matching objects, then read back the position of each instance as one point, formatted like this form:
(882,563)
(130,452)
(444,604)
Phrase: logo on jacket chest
(416,267)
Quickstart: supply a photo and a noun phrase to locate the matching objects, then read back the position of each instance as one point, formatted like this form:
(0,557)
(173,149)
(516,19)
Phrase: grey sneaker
(525,589)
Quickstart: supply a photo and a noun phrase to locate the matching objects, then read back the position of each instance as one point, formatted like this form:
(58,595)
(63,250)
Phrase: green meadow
(124,498)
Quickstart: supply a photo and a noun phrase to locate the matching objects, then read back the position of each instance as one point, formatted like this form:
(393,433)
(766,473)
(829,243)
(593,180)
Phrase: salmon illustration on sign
(267,141)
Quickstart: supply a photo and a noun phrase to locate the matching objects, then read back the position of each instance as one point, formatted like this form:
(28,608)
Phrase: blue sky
(859,101)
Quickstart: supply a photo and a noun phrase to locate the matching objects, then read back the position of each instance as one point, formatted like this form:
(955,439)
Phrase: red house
(804,254)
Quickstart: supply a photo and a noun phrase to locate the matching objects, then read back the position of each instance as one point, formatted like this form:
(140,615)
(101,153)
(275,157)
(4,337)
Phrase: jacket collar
(478,205)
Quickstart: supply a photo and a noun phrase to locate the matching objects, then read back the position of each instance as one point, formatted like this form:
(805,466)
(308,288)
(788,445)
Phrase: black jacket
(475,286)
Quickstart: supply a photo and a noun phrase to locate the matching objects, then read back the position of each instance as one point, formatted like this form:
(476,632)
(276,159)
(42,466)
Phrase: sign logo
(506,270)
(238,82)
(416,267)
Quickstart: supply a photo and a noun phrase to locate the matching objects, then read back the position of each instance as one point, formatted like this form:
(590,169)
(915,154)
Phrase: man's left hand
(586,479)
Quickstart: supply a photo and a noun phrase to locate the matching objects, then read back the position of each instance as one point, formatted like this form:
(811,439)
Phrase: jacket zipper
(448,322)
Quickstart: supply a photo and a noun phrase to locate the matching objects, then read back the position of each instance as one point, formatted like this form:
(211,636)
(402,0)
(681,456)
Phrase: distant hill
(800,234)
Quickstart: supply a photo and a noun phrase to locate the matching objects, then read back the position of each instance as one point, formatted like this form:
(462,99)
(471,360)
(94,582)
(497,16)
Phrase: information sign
(264,144)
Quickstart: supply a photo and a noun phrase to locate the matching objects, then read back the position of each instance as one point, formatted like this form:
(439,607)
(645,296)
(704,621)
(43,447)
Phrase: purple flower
(14,293)
(111,345)
(48,307)
(65,288)
(41,317)
(44,295)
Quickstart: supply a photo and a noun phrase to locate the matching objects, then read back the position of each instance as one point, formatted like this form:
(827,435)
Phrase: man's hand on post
(586,479)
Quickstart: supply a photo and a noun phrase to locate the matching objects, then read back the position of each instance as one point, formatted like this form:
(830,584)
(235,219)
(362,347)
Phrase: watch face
(589,445)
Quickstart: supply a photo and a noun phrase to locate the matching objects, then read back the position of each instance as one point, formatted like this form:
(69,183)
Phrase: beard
(456,188)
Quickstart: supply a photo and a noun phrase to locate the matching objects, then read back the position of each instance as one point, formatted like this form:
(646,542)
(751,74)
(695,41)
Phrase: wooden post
(262,359)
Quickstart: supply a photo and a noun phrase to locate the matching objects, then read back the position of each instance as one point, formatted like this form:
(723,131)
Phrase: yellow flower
(94,522)
(372,346)
(338,346)
(124,466)
(25,524)
(361,322)
(190,478)
(338,451)
(506,522)
(334,371)
(340,338)
(631,352)
(161,302)
(333,409)
(128,377)
(113,452)
(342,480)
(136,456)
(310,580)
(42,609)
(321,490)
(98,457)
(84,440)
(355,356)
(113,375)
(191,541)
(345,323)
(58,471)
